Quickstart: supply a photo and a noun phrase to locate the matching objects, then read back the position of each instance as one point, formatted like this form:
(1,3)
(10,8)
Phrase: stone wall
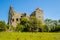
(14,17)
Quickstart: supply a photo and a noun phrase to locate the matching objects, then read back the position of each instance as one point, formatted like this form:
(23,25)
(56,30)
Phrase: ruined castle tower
(13,17)
(38,13)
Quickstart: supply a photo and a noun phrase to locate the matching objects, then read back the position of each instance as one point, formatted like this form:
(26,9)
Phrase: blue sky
(51,8)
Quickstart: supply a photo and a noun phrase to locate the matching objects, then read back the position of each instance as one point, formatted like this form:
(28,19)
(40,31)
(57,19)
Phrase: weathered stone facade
(14,17)
(38,13)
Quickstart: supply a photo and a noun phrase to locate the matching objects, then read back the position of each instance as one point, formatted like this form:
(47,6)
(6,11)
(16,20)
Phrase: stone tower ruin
(38,13)
(14,17)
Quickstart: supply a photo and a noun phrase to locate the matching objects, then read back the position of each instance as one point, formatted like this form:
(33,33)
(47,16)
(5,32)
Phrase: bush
(19,28)
(3,26)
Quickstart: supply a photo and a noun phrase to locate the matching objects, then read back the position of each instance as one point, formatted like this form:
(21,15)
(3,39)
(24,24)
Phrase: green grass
(29,36)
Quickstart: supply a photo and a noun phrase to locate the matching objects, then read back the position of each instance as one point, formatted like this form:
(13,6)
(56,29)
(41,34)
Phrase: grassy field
(29,36)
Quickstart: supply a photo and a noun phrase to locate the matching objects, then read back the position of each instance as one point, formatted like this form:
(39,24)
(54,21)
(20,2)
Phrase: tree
(3,26)
(58,22)
(19,28)
(26,27)
(23,20)
(48,23)
(46,28)
(56,26)
(35,23)
(23,25)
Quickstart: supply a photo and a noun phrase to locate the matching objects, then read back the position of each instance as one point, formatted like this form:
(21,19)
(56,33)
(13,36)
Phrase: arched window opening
(16,19)
(12,20)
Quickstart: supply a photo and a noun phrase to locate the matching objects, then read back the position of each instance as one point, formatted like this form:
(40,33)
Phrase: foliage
(27,27)
(35,23)
(19,28)
(32,24)
(23,25)
(46,29)
(3,26)
(53,25)
(24,20)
